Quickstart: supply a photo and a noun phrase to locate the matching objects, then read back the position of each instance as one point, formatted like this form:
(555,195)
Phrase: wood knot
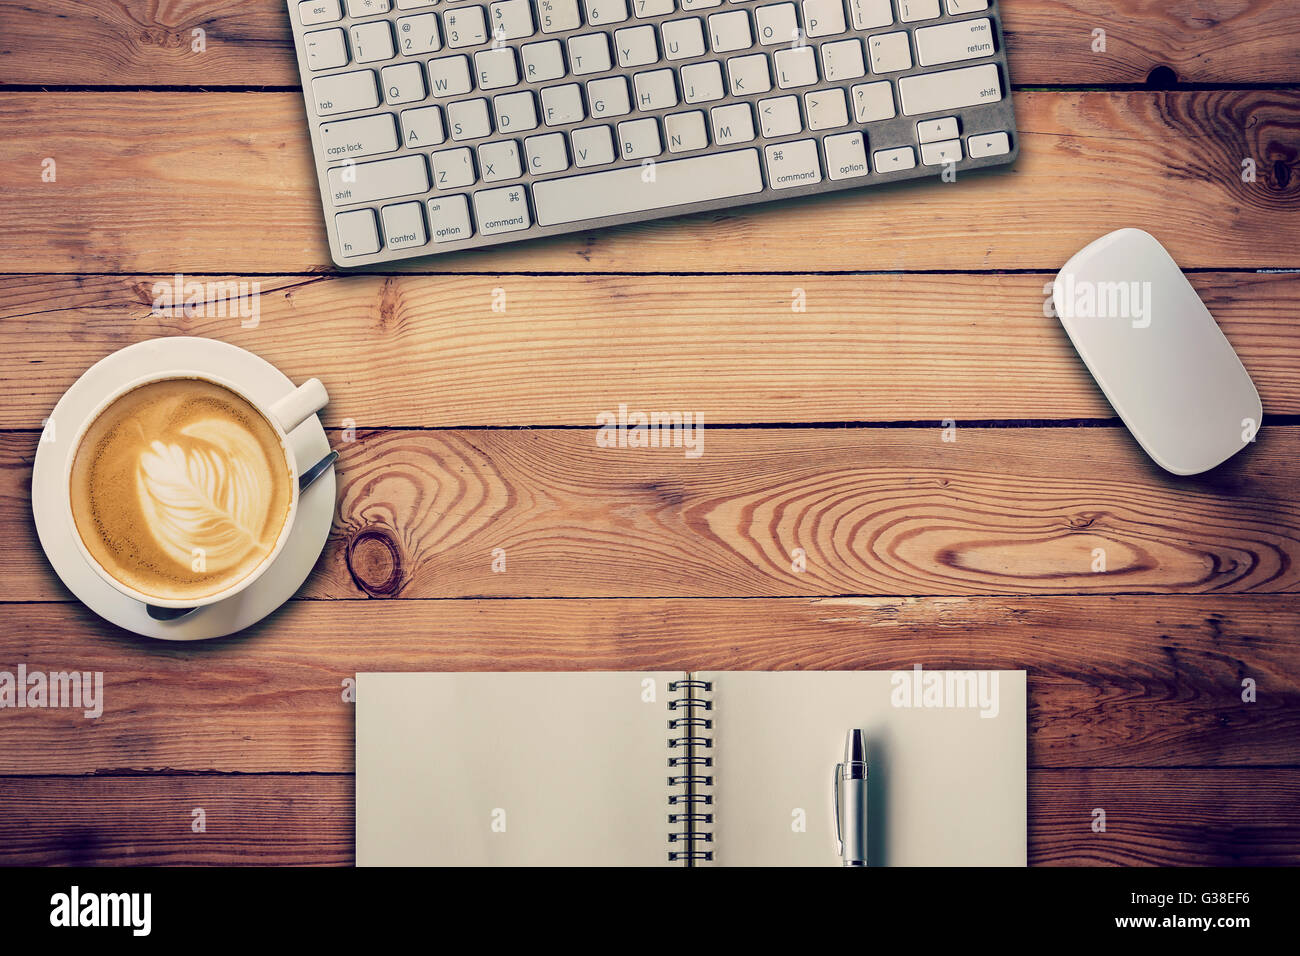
(375,562)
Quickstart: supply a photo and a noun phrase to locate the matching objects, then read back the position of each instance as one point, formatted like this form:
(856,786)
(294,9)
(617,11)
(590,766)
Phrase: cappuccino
(180,489)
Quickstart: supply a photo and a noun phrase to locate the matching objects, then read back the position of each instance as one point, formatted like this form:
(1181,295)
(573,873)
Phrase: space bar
(618,192)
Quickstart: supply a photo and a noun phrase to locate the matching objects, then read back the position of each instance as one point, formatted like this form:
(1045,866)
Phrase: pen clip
(835,789)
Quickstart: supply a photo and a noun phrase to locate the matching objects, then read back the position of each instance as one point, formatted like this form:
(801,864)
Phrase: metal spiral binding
(690,806)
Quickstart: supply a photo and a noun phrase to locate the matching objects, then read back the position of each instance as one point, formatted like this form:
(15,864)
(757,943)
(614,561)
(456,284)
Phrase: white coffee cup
(284,416)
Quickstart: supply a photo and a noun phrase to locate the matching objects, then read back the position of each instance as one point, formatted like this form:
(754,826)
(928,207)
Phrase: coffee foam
(180,488)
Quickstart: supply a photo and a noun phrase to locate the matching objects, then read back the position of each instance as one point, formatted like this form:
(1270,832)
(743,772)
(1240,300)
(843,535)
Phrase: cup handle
(299,405)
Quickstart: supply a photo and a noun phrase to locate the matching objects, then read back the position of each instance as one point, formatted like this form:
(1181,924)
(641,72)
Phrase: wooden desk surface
(474,431)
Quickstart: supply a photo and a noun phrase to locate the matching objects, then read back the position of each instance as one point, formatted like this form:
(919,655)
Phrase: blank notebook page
(514,769)
(946,785)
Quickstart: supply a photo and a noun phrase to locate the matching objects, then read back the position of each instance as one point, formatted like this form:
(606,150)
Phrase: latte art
(180,488)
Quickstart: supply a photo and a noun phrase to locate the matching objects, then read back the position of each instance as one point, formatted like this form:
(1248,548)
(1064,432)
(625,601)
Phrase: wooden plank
(1113,681)
(874,511)
(1153,818)
(133,43)
(430,351)
(229,187)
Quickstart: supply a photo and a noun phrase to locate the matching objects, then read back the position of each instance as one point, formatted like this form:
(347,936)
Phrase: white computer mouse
(1157,353)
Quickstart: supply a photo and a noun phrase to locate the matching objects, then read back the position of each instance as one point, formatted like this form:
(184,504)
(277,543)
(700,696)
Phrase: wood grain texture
(892,511)
(248,43)
(429,351)
(1153,818)
(223,183)
(1123,681)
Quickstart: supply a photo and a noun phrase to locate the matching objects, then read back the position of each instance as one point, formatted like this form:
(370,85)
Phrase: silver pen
(850,788)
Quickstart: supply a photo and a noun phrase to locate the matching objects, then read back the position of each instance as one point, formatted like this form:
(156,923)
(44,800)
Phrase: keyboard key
(686,131)
(826,109)
(326,49)
(950,90)
(873,102)
(404,226)
(655,90)
(683,39)
(449,76)
(496,69)
(589,53)
(414,4)
(890,53)
(823,18)
(796,67)
(346,139)
(372,41)
(988,144)
(894,160)
(516,112)
(367,8)
(499,161)
(910,11)
(748,74)
(465,26)
(842,60)
(418,34)
(592,146)
(312,12)
(543,61)
(563,104)
(846,156)
(511,19)
(558,15)
(403,83)
(950,42)
(699,4)
(357,233)
(422,127)
(639,139)
(702,82)
(384,179)
(636,46)
(469,119)
(730,31)
(345,92)
(932,131)
(732,124)
(869,14)
(652,8)
(546,153)
(958,7)
(618,192)
(608,97)
(937,154)
(453,168)
(449,218)
(779,116)
(776,24)
(604,12)
(501,210)
(793,164)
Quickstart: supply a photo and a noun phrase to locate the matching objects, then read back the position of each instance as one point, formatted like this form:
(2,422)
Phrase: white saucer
(263,382)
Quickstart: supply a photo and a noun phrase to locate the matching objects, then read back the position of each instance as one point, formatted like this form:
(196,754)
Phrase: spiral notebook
(686,769)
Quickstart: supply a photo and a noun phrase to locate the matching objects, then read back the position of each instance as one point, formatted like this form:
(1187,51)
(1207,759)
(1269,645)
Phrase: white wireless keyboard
(441,125)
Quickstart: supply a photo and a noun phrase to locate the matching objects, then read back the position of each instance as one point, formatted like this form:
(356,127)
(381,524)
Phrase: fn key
(357,233)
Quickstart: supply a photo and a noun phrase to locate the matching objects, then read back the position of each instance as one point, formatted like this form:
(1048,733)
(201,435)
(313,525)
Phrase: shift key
(950,90)
(385,179)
